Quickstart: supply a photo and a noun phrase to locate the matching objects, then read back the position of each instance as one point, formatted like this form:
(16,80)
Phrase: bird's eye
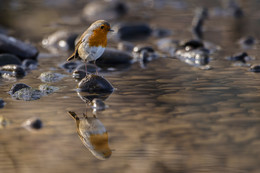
(102,27)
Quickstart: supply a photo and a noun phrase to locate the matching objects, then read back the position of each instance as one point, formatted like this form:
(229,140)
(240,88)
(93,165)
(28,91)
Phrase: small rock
(60,41)
(95,84)
(47,89)
(51,77)
(4,122)
(70,66)
(27,94)
(255,68)
(144,54)
(106,10)
(2,103)
(32,124)
(29,64)
(168,45)
(247,42)
(12,71)
(130,32)
(17,87)
(7,59)
(78,74)
(16,47)
(125,46)
(242,57)
(191,44)
(114,58)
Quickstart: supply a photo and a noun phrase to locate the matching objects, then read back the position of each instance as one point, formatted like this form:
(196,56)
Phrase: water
(168,117)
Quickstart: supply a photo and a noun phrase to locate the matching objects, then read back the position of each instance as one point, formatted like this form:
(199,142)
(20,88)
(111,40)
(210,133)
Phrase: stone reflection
(93,135)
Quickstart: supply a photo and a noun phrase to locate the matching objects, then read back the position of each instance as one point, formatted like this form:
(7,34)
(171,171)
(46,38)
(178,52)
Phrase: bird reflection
(93,135)
(88,97)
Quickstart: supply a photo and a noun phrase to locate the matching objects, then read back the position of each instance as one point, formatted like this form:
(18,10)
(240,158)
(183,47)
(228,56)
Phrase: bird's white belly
(92,53)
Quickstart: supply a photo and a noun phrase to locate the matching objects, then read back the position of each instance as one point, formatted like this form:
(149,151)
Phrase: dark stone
(78,74)
(27,94)
(17,87)
(95,84)
(16,47)
(69,66)
(134,31)
(247,42)
(2,103)
(98,104)
(29,64)
(60,41)
(255,68)
(125,46)
(239,57)
(140,48)
(192,44)
(114,58)
(12,71)
(7,59)
(51,76)
(33,123)
(105,10)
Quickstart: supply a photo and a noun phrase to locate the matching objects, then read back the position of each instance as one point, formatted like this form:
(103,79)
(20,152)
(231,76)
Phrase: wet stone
(17,87)
(60,41)
(33,124)
(168,45)
(2,103)
(47,89)
(125,46)
(144,54)
(191,44)
(106,10)
(51,77)
(255,68)
(12,72)
(69,66)
(7,59)
(95,84)
(130,32)
(242,57)
(27,94)
(16,47)
(4,122)
(114,58)
(29,64)
(247,42)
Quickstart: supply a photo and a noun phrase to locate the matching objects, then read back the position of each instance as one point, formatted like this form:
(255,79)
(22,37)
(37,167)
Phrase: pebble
(12,72)
(242,57)
(16,47)
(247,42)
(29,64)
(47,89)
(33,124)
(114,58)
(27,94)
(129,32)
(4,122)
(51,77)
(106,10)
(95,84)
(7,59)
(17,87)
(255,68)
(60,41)
(2,103)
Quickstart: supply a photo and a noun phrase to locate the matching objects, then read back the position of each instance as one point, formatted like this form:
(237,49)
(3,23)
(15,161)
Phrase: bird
(92,43)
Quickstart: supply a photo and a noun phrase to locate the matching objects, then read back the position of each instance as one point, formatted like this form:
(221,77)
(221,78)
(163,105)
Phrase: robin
(92,42)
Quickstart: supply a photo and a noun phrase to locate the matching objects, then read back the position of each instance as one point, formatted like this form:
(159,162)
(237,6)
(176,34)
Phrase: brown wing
(75,53)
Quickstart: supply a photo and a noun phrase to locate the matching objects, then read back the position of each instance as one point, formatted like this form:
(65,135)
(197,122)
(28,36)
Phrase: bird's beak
(111,30)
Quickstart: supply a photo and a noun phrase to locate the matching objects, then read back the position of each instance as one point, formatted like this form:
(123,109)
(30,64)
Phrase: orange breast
(98,38)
